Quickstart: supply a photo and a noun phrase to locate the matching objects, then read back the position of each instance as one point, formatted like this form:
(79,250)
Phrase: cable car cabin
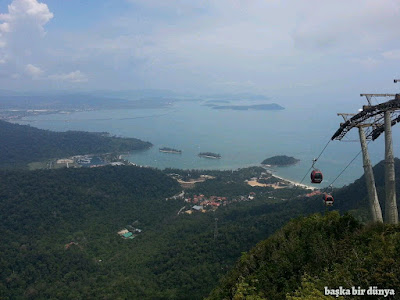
(328,199)
(316,176)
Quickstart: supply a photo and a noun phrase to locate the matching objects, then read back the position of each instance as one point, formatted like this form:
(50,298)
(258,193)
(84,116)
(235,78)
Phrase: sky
(272,47)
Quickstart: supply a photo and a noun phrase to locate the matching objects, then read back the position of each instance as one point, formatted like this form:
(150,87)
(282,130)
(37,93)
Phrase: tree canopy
(280,160)
(22,144)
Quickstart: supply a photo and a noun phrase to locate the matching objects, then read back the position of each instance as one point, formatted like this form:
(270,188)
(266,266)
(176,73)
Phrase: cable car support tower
(371,121)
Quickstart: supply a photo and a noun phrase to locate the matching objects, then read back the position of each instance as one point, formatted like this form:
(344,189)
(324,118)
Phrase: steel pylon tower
(376,119)
(375,208)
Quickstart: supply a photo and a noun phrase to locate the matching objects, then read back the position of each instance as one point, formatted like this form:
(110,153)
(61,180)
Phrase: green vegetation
(310,253)
(175,256)
(317,251)
(209,155)
(280,160)
(170,150)
(25,144)
(225,183)
(42,211)
(239,175)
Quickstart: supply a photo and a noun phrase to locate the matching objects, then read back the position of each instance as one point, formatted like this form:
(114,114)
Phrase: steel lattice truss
(372,117)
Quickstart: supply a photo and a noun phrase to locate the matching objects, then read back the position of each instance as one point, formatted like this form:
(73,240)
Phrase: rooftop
(127,235)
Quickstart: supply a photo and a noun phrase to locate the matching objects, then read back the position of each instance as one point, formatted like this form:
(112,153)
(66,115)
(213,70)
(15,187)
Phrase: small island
(218,101)
(210,155)
(280,160)
(170,150)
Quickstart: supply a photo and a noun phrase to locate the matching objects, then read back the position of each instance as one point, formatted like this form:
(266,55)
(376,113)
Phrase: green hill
(175,257)
(354,196)
(41,212)
(312,252)
(23,144)
(309,253)
(280,160)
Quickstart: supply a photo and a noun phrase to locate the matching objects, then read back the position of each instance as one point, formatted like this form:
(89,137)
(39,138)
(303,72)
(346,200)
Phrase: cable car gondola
(316,176)
(328,199)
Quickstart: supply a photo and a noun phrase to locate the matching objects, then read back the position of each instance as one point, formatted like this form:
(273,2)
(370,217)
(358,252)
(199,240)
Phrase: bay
(243,138)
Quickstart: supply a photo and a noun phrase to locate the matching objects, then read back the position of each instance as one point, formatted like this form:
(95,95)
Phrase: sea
(242,137)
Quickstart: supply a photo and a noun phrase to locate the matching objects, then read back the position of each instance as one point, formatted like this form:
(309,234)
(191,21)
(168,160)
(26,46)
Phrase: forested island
(170,150)
(22,144)
(280,160)
(209,155)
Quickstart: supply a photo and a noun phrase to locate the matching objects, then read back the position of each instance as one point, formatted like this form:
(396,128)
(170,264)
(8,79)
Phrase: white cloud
(263,41)
(21,31)
(343,25)
(259,45)
(367,62)
(76,76)
(33,71)
(392,54)
(28,12)
(178,7)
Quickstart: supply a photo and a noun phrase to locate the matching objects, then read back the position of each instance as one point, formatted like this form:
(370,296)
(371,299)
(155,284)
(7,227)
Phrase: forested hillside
(354,196)
(22,144)
(310,253)
(175,256)
(43,211)
(317,251)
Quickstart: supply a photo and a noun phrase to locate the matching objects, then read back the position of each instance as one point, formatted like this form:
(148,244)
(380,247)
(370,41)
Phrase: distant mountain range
(65,100)
(269,106)
(79,101)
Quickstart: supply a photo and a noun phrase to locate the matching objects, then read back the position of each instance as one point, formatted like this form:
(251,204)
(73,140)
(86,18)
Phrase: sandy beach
(295,183)
(273,185)
(269,170)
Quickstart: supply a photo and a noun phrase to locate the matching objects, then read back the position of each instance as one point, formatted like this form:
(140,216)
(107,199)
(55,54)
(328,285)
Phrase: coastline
(295,183)
(241,157)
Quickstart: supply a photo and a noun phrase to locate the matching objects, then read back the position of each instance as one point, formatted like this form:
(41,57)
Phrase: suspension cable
(315,160)
(348,165)
(306,174)
(323,150)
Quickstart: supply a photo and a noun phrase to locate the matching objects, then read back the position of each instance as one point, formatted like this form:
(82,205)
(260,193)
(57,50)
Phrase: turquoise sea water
(243,138)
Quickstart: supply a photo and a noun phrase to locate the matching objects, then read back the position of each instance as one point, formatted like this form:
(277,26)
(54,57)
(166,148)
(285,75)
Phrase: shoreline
(295,183)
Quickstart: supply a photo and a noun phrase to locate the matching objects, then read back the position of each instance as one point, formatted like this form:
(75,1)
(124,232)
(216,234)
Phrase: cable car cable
(323,150)
(329,202)
(314,161)
(348,165)
(306,174)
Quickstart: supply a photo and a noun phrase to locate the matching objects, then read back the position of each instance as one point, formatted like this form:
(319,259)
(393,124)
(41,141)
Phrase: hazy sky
(287,47)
